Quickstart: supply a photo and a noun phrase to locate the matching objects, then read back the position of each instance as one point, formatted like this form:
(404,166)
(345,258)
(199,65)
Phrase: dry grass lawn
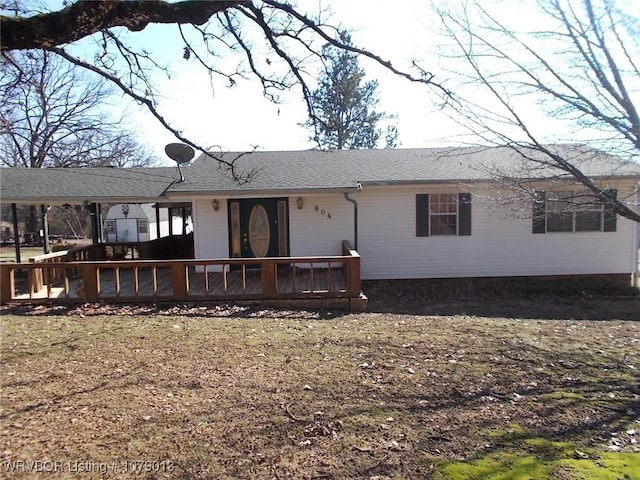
(264,394)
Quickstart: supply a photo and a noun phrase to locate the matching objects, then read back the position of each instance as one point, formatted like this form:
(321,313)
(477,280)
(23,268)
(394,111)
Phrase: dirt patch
(511,298)
(203,392)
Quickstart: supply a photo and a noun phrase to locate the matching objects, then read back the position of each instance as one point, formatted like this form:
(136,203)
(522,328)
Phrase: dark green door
(258,227)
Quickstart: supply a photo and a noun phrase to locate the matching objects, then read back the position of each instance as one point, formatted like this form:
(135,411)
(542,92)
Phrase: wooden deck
(55,278)
(71,275)
(157,283)
(228,284)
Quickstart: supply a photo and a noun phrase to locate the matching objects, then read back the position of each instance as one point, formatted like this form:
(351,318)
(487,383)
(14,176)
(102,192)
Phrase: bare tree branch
(290,41)
(230,164)
(86,17)
(51,116)
(583,68)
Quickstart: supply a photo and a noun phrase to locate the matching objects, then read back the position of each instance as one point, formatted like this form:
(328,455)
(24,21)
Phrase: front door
(258,227)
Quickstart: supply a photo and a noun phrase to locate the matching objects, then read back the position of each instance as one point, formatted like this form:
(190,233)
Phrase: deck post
(36,276)
(93,213)
(89,289)
(100,222)
(157,208)
(269,277)
(353,276)
(46,245)
(16,233)
(179,277)
(184,221)
(7,284)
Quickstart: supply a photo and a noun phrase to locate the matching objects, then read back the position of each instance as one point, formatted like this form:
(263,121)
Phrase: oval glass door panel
(259,231)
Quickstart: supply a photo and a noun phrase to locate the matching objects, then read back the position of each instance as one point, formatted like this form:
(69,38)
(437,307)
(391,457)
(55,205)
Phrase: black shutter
(464,214)
(422,215)
(610,217)
(539,212)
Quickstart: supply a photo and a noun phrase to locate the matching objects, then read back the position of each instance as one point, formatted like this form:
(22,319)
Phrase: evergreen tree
(343,107)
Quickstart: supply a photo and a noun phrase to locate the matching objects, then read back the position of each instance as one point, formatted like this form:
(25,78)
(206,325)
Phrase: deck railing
(105,251)
(54,279)
(39,277)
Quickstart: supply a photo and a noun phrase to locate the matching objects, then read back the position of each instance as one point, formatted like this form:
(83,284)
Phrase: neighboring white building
(131,222)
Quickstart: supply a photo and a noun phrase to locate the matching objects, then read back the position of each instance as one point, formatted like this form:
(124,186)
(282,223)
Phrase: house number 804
(322,211)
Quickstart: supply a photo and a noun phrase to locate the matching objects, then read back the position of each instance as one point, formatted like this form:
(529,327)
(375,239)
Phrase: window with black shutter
(443,214)
(573,211)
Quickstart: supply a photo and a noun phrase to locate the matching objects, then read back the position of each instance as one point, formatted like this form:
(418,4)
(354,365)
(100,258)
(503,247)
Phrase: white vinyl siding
(501,244)
(312,232)
(320,231)
(210,227)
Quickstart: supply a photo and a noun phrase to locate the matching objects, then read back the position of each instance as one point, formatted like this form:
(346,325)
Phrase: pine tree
(344,114)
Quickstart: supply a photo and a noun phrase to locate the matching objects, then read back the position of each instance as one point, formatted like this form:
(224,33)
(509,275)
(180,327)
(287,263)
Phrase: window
(110,226)
(143,225)
(443,214)
(567,211)
(559,212)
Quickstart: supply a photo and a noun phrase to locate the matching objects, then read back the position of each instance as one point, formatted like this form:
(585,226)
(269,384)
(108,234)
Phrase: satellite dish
(179,152)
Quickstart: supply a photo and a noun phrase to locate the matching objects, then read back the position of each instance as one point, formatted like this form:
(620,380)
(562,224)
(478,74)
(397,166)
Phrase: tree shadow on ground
(509,298)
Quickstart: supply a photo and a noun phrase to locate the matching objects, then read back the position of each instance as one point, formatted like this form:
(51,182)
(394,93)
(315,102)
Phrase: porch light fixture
(299,202)
(215,205)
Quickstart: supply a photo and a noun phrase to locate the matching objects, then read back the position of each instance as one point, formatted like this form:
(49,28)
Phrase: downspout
(355,216)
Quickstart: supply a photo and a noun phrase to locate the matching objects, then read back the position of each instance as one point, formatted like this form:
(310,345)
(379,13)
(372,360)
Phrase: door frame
(238,211)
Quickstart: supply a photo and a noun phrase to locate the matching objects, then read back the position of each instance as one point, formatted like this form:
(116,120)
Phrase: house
(141,222)
(409,213)
(421,213)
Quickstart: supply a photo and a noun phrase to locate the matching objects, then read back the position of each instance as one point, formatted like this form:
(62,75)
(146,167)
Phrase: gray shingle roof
(292,171)
(341,169)
(77,184)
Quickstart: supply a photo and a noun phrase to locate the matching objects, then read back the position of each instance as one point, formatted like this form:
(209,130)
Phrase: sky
(240,118)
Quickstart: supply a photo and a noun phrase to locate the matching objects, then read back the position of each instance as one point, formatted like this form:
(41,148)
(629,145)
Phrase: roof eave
(265,191)
(78,200)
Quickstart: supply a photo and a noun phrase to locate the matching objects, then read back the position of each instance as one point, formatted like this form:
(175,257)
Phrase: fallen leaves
(227,397)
